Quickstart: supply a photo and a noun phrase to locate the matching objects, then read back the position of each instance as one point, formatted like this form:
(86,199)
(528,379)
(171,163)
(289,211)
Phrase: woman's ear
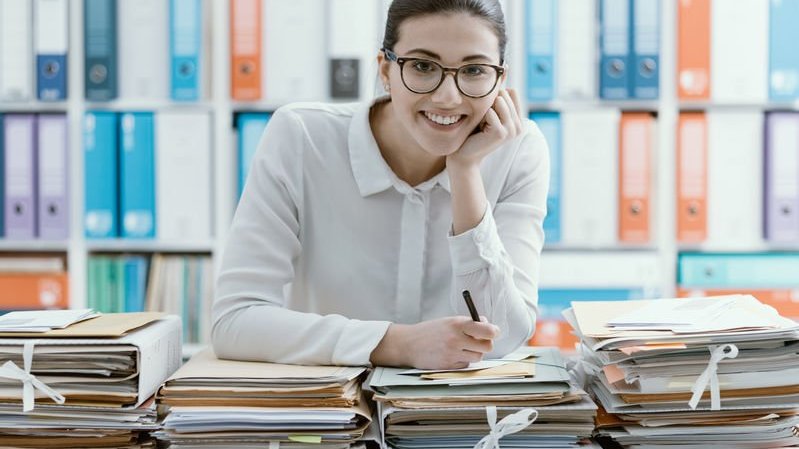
(383,67)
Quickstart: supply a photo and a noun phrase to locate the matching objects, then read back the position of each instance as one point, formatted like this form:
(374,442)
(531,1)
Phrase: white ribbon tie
(10,370)
(508,425)
(717,354)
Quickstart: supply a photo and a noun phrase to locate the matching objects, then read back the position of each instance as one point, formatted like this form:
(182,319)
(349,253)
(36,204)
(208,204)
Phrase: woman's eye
(423,66)
(474,70)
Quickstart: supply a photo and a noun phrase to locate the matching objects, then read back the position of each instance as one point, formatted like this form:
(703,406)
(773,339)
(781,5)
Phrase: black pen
(472,311)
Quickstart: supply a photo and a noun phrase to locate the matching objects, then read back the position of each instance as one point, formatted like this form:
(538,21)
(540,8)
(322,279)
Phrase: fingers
(509,111)
(514,96)
(482,330)
(471,356)
(493,123)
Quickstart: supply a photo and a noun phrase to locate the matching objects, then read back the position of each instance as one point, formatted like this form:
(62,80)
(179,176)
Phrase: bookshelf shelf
(33,107)
(33,246)
(148,246)
(148,105)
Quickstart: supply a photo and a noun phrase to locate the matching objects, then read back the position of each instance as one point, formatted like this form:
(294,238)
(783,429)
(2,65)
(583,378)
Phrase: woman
(361,225)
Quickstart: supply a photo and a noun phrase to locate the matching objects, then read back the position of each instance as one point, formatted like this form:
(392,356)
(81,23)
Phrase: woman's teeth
(443,120)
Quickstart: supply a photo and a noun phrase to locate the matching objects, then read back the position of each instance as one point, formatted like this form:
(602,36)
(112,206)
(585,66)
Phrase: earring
(387,87)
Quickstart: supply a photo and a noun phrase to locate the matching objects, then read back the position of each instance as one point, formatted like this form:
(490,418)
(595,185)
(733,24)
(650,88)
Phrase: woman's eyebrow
(434,55)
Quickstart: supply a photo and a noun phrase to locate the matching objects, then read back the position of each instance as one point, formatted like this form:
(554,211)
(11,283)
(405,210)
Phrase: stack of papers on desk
(42,320)
(106,368)
(421,408)
(646,359)
(214,403)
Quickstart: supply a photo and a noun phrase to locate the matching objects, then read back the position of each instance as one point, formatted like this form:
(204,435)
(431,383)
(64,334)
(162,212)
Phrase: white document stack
(91,384)
(691,373)
(213,403)
(449,409)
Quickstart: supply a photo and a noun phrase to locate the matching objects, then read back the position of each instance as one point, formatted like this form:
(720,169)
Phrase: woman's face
(440,121)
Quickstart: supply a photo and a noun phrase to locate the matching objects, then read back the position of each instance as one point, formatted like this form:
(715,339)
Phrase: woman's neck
(402,154)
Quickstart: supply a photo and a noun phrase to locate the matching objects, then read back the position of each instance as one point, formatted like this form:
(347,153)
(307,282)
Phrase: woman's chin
(441,147)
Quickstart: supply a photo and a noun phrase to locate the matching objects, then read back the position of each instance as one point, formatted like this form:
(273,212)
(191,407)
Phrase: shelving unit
(224,160)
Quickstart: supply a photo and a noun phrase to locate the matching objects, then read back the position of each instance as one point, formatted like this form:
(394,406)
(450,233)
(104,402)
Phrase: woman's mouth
(443,121)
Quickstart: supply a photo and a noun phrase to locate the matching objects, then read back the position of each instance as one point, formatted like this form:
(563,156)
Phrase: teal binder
(101,216)
(137,174)
(100,49)
(758,270)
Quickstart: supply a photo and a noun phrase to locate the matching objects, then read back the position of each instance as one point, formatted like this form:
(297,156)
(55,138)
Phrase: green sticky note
(316,439)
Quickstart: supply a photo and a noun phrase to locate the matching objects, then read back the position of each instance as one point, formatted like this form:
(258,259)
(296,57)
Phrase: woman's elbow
(518,334)
(226,332)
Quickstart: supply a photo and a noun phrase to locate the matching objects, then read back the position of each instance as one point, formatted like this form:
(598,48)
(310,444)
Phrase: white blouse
(328,246)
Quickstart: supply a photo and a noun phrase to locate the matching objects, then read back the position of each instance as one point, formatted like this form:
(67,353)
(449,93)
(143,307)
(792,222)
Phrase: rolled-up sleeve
(250,321)
(498,260)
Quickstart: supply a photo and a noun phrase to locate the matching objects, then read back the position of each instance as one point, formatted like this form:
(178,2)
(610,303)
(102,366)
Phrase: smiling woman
(361,225)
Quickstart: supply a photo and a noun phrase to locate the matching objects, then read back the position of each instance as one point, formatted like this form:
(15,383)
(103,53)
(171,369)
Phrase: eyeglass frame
(391,56)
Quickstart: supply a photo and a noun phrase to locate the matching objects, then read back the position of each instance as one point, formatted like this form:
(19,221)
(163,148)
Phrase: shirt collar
(371,171)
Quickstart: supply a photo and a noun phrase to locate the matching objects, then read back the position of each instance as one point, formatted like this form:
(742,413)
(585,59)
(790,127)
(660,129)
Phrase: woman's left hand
(502,122)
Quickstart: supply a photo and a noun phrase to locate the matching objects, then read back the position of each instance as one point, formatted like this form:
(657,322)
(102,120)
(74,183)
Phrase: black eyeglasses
(422,76)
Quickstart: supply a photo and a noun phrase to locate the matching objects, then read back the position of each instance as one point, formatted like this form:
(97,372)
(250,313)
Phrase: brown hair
(488,10)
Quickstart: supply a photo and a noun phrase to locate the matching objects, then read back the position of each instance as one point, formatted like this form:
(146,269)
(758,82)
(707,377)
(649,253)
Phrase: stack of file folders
(210,402)
(448,409)
(691,373)
(91,384)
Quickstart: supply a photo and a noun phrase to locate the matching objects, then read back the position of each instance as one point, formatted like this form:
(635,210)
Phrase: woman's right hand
(444,343)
